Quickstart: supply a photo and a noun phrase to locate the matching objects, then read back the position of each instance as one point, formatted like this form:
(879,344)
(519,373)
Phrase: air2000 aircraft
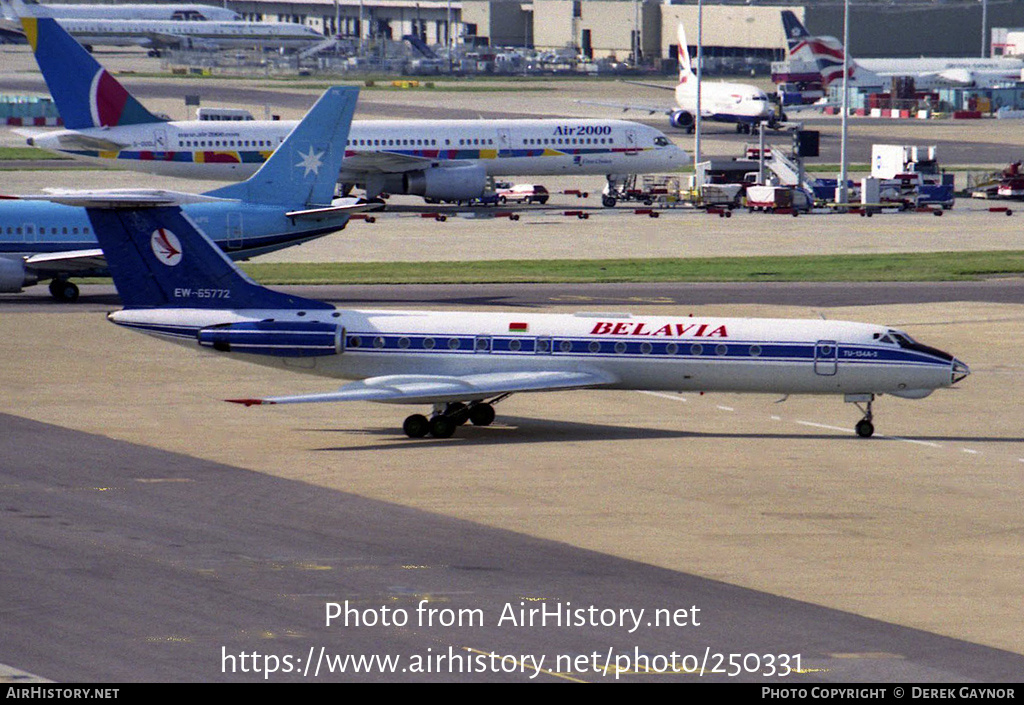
(288,201)
(463,363)
(446,160)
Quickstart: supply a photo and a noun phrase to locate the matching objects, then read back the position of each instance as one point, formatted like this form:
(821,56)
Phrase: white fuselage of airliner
(233,150)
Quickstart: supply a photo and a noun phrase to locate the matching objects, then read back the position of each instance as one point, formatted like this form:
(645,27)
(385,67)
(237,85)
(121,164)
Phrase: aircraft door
(631,143)
(826,358)
(234,234)
(504,143)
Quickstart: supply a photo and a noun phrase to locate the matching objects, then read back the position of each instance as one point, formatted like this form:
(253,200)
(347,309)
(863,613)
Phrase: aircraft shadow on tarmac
(510,430)
(516,430)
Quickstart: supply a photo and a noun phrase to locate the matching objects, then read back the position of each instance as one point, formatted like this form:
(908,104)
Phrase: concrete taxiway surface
(162,567)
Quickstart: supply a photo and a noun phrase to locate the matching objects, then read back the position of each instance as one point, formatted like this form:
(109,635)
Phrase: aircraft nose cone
(960,370)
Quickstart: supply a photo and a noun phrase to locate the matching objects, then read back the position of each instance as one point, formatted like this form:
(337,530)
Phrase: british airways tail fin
(794,29)
(685,68)
(159,259)
(303,171)
(85,93)
(826,53)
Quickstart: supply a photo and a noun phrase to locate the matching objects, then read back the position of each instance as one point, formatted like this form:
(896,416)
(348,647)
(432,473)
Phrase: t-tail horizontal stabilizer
(159,259)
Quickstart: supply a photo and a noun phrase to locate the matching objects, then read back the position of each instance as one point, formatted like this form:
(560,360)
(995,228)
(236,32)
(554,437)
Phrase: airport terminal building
(738,35)
(603,28)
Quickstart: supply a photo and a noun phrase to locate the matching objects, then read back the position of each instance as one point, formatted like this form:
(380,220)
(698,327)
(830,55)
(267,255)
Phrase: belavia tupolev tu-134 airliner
(176,284)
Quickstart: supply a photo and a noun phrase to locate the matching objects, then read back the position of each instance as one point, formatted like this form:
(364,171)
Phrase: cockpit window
(908,343)
(903,340)
(661,141)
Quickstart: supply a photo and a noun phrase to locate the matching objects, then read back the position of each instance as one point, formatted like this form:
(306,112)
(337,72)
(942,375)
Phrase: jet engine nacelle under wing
(450,183)
(681,119)
(13,276)
(277,338)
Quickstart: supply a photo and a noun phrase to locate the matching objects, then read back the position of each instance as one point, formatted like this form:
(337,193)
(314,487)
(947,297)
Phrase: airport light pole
(636,32)
(841,189)
(984,24)
(700,72)
(362,29)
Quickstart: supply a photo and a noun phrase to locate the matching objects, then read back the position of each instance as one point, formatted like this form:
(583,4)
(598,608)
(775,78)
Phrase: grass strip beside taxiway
(923,266)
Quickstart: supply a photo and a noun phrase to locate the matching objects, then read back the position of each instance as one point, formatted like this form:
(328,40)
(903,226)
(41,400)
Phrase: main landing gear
(446,418)
(64,291)
(865,428)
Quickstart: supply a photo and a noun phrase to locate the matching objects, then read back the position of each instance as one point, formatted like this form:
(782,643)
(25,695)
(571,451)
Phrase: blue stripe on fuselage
(373,342)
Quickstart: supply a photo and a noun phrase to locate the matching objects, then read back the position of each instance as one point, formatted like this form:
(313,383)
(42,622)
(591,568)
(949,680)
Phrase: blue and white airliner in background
(288,201)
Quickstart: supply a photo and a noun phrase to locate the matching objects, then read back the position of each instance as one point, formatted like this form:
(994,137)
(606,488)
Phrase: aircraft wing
(340,206)
(800,107)
(69,262)
(426,389)
(119,198)
(649,109)
(78,141)
(162,39)
(384,162)
(659,86)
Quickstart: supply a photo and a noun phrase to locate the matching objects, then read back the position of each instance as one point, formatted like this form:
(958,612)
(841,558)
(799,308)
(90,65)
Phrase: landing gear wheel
(64,291)
(416,426)
(442,426)
(456,411)
(481,414)
(865,429)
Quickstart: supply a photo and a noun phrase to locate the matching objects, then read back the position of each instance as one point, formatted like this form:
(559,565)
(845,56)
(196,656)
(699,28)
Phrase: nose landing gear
(865,428)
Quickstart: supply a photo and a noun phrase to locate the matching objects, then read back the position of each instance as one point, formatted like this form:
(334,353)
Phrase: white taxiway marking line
(825,426)
(913,440)
(673,397)
(930,444)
